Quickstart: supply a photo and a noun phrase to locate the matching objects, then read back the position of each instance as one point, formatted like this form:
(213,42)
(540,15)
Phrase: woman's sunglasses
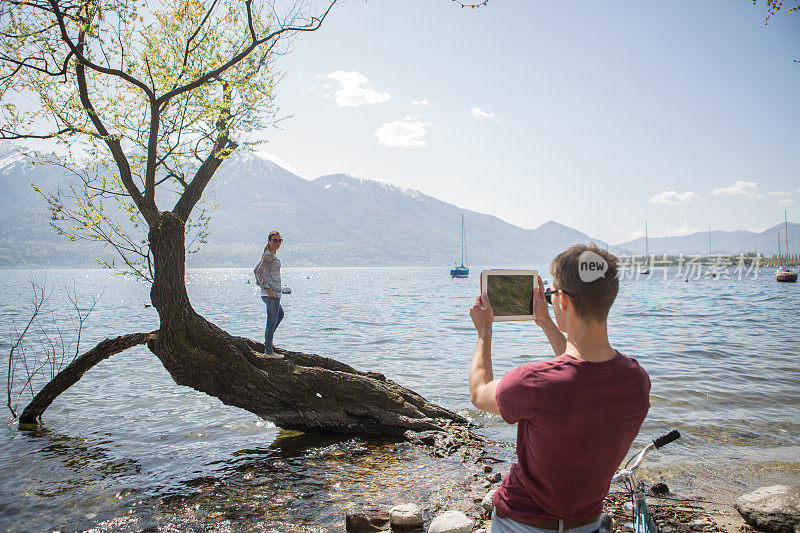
(549,292)
(276,240)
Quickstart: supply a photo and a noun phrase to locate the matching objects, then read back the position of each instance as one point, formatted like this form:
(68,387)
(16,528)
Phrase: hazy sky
(597,115)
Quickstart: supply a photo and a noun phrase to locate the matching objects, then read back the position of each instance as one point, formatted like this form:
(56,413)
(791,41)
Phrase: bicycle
(642,518)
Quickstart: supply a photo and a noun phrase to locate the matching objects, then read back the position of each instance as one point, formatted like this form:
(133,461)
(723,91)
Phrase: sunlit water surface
(128,449)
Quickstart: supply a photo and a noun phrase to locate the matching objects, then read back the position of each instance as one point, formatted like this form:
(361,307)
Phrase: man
(577,414)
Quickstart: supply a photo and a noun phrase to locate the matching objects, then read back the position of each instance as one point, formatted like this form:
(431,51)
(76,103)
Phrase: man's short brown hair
(592,299)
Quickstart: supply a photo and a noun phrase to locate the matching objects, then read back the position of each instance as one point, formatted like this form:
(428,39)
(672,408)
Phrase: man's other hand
(541,311)
(482,315)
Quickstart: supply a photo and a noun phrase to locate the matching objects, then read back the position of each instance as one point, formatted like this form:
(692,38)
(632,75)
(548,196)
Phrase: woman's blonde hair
(269,237)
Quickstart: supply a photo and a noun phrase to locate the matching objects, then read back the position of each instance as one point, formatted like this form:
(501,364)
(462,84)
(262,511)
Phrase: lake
(128,449)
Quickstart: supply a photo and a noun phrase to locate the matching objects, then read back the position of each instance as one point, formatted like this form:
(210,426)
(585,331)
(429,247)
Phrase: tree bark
(302,391)
(76,369)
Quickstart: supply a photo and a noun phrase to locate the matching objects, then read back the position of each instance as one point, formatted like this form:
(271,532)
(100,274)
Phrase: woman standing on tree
(268,277)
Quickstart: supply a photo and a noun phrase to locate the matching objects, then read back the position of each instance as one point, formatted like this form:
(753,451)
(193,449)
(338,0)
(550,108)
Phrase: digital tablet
(510,293)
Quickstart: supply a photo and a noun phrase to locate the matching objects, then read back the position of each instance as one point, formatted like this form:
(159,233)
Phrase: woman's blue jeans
(274,317)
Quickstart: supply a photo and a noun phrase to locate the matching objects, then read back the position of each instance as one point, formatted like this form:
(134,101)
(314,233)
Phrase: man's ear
(563,304)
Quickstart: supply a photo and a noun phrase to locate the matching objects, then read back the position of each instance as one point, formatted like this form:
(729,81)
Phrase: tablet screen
(511,295)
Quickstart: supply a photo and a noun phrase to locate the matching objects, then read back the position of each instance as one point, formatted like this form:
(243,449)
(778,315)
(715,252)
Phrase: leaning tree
(145,106)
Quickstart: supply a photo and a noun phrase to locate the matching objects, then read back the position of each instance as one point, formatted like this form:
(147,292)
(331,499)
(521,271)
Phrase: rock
(487,503)
(366,521)
(423,438)
(494,478)
(700,524)
(486,484)
(606,523)
(451,522)
(659,489)
(487,468)
(774,509)
(406,516)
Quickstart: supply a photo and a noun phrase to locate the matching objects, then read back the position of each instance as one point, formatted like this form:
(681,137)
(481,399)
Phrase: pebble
(486,484)
(488,503)
(659,489)
(451,522)
(407,515)
(487,468)
(700,525)
(494,478)
(366,521)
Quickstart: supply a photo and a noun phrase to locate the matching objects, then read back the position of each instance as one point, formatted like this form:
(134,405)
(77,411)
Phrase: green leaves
(143,104)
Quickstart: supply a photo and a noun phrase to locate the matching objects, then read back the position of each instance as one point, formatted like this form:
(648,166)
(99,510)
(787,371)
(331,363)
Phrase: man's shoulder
(631,364)
(539,368)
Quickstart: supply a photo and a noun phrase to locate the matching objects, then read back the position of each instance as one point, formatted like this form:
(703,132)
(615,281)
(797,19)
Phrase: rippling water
(127,448)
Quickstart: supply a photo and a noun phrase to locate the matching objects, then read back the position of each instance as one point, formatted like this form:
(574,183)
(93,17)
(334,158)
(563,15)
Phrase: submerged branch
(75,370)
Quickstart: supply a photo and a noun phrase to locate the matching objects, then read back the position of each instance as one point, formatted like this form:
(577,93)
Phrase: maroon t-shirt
(577,421)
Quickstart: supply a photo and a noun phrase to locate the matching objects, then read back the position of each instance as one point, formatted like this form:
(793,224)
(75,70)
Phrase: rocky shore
(770,509)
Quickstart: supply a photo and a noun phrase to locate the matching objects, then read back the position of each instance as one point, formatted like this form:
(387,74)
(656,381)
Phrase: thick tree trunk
(303,392)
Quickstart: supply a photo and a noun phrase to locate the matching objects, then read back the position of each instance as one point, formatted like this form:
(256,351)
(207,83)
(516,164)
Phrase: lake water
(128,449)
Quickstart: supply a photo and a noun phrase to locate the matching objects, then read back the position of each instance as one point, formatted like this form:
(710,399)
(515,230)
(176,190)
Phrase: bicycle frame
(642,518)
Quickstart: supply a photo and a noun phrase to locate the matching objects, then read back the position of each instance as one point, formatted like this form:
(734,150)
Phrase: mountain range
(334,220)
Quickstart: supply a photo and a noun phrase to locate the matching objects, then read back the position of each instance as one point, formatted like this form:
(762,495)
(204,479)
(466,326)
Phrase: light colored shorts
(506,525)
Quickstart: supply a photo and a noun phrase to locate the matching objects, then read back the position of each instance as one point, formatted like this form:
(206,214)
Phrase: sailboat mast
(786,231)
(464,231)
(779,248)
(646,245)
(462,238)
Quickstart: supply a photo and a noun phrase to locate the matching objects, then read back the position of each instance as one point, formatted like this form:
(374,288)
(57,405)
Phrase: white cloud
(423,103)
(673,198)
(354,91)
(478,114)
(680,231)
(618,229)
(786,201)
(406,132)
(778,193)
(635,235)
(747,189)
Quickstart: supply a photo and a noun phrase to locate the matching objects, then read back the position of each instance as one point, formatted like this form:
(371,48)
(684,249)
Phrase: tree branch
(192,194)
(148,210)
(75,370)
(314,25)
(83,60)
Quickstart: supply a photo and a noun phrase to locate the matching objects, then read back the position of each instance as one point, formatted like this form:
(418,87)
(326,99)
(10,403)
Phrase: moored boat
(784,273)
(461,271)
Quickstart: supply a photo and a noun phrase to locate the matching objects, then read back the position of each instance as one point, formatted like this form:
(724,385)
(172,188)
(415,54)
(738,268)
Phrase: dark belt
(552,524)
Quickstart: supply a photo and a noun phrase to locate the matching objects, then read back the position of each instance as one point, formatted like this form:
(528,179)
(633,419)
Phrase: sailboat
(645,268)
(784,273)
(461,271)
(712,270)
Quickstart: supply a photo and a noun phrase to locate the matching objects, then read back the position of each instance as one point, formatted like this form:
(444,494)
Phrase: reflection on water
(126,448)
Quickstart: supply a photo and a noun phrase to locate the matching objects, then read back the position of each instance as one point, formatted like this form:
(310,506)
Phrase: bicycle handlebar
(666,439)
(629,469)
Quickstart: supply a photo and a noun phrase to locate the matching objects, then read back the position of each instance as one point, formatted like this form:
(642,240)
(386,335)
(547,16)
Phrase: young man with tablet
(577,413)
